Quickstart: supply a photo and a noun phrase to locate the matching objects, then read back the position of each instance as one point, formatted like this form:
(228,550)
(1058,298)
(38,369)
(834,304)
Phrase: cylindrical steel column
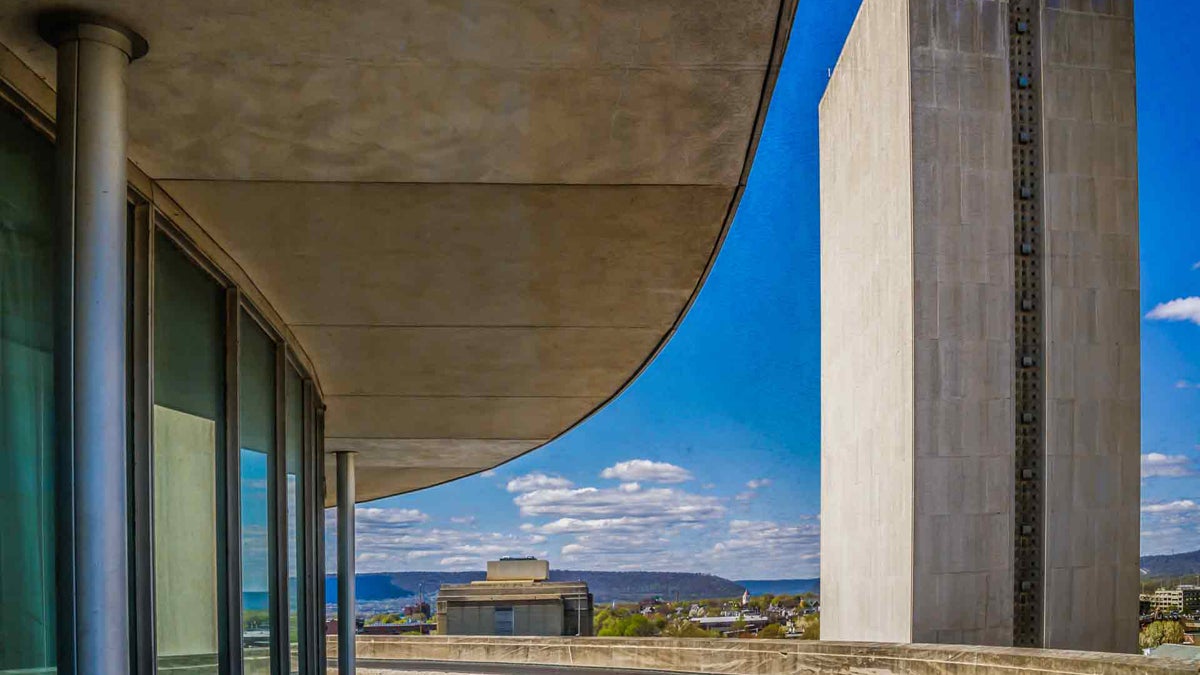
(347,625)
(93,54)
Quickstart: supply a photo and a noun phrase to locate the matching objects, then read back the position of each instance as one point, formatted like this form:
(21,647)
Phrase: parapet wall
(754,657)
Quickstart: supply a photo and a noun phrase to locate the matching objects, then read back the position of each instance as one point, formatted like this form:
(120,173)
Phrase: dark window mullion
(143,661)
(319,528)
(305,593)
(230,572)
(277,520)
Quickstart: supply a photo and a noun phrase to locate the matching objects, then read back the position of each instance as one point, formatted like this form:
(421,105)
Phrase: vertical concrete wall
(963,250)
(867,334)
(918,326)
(1092,388)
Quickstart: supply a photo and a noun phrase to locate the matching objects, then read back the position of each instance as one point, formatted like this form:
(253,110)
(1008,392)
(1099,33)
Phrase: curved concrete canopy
(480,218)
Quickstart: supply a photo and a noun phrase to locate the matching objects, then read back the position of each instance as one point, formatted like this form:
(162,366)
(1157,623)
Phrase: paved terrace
(497,656)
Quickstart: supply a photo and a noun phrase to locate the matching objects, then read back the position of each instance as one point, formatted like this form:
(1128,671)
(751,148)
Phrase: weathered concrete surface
(479,219)
(757,657)
(963,272)
(867,334)
(949,471)
(1093,342)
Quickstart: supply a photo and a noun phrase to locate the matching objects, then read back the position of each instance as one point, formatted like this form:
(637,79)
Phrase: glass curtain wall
(188,438)
(27,419)
(195,469)
(294,451)
(256,424)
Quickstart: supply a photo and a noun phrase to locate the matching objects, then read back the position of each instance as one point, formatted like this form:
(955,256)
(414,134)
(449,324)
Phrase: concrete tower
(980,345)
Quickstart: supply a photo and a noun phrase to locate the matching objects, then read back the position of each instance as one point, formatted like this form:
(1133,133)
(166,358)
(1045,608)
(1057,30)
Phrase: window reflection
(27,419)
(293,443)
(256,401)
(189,419)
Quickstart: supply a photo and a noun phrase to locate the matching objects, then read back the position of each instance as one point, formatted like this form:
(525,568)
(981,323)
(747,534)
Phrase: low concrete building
(1184,599)
(517,598)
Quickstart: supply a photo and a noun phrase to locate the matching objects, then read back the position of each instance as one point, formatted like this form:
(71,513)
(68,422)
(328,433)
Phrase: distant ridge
(605,586)
(781,586)
(1174,565)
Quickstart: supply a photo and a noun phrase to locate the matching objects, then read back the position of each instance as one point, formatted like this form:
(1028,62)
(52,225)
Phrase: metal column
(93,54)
(345,562)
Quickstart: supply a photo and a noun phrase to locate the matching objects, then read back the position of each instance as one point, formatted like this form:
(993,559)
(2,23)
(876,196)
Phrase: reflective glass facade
(28,254)
(223,476)
(294,475)
(188,438)
(256,480)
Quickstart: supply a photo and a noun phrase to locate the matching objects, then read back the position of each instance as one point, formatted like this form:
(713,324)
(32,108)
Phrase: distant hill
(605,586)
(1175,565)
(781,586)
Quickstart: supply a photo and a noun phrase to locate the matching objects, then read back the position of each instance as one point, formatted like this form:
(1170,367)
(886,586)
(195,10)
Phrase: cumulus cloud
(1158,465)
(647,471)
(752,488)
(627,527)
(394,539)
(1179,309)
(369,515)
(537,481)
(1168,527)
(488,474)
(791,548)
(1177,506)
(655,505)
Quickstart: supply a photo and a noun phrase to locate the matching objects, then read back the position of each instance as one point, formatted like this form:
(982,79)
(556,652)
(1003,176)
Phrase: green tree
(682,628)
(812,629)
(772,631)
(1160,633)
(637,626)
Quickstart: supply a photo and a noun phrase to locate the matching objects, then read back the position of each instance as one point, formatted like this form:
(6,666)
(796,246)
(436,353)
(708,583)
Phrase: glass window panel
(189,425)
(256,418)
(294,444)
(27,431)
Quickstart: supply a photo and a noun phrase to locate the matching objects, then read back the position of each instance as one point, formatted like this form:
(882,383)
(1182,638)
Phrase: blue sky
(725,422)
(1168,53)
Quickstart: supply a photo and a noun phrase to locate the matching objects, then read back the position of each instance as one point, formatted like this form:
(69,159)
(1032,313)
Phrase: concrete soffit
(432,455)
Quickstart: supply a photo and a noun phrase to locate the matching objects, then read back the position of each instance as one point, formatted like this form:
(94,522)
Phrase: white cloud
(537,481)
(758,483)
(1158,465)
(488,474)
(647,471)
(1177,506)
(1187,384)
(1170,527)
(656,505)
(392,539)
(629,487)
(1179,309)
(777,549)
(369,515)
(463,520)
(1196,266)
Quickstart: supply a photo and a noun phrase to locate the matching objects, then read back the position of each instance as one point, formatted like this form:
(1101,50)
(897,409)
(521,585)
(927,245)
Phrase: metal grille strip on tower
(1029,300)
